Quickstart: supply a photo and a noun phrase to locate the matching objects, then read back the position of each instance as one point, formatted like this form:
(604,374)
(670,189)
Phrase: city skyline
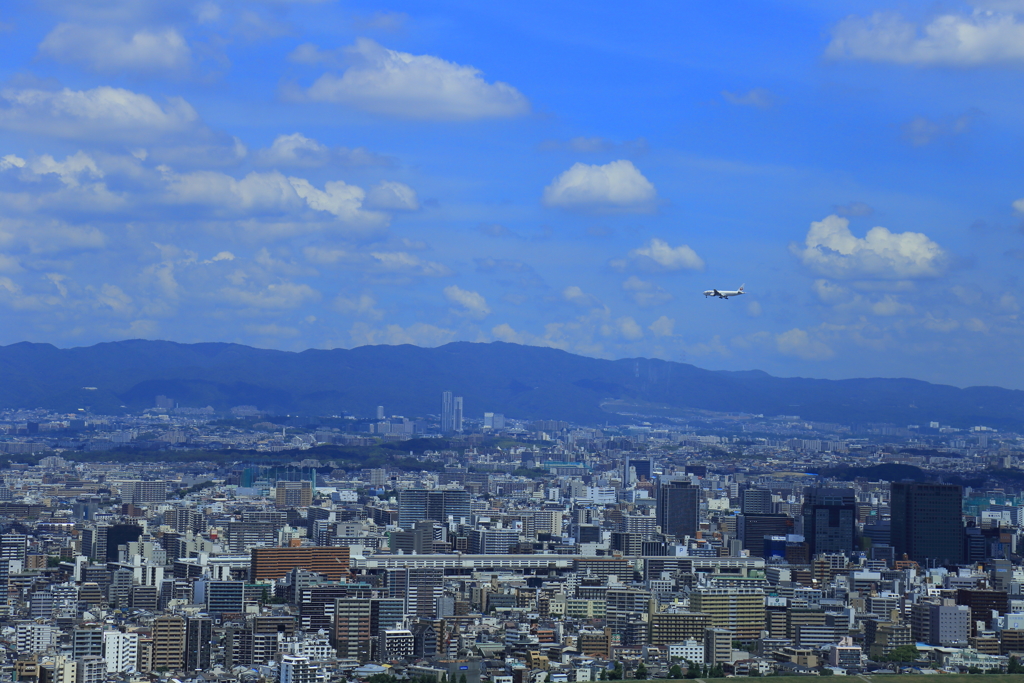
(320,175)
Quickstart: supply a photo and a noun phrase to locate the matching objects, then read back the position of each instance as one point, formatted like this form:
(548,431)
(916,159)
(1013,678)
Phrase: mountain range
(524,382)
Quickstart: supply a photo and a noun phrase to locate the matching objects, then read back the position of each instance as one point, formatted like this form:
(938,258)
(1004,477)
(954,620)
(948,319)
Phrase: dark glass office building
(830,520)
(927,523)
(678,503)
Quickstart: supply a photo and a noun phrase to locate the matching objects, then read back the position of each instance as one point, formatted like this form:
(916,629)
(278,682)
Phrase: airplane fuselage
(723,293)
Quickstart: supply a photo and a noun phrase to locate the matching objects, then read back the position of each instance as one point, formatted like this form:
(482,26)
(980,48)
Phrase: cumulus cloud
(663,326)
(761,98)
(473,303)
(295,149)
(575,295)
(831,249)
(799,343)
(645,293)
(659,255)
(618,184)
(271,192)
(103,112)
(981,37)
(363,304)
(111,49)
(383,81)
(392,196)
(628,328)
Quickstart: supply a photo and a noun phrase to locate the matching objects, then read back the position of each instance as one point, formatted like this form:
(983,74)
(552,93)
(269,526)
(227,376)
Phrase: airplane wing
(717,293)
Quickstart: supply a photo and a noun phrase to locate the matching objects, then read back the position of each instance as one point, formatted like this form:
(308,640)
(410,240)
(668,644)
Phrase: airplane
(723,294)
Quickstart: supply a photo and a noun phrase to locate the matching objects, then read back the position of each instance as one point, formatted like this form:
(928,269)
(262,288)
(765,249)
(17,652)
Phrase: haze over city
(300,175)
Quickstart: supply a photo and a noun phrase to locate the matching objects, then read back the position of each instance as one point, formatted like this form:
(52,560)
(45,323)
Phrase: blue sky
(333,174)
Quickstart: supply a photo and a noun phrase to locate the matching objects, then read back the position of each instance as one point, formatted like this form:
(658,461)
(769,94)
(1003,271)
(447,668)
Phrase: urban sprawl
(192,545)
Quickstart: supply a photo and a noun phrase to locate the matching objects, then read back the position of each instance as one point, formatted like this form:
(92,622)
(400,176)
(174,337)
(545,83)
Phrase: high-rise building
(415,505)
(739,610)
(830,520)
(275,563)
(419,588)
(144,491)
(677,506)
(120,650)
(198,643)
(91,670)
(491,541)
(451,413)
(225,597)
(352,628)
(756,502)
(927,522)
(295,669)
(87,642)
(495,421)
(168,643)
(752,528)
(380,412)
(293,494)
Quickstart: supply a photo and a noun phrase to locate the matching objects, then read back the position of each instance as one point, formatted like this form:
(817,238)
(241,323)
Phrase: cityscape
(477,547)
(382,341)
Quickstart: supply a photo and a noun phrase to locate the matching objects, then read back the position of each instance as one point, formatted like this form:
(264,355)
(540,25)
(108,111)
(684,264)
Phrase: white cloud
(660,255)
(420,334)
(645,293)
(980,37)
(343,200)
(1018,206)
(295,149)
(921,131)
(271,192)
(831,249)
(392,196)
(103,112)
(754,309)
(473,303)
(615,184)
(628,328)
(383,81)
(404,262)
(799,343)
(362,304)
(111,49)
(762,98)
(10,161)
(49,236)
(575,295)
(282,295)
(68,170)
(663,326)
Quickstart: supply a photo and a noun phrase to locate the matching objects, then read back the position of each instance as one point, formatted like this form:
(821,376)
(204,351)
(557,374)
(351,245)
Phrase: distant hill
(520,381)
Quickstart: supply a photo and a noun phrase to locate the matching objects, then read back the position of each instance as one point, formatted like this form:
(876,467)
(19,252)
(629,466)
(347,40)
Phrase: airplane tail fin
(741,288)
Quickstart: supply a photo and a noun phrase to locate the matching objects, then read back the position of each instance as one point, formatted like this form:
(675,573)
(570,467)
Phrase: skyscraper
(168,643)
(415,505)
(198,645)
(677,508)
(927,522)
(830,518)
(451,412)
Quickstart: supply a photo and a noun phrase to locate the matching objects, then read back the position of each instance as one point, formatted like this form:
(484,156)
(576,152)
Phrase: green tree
(1014,666)
(973,670)
(904,653)
(640,674)
(616,673)
(462,678)
(825,671)
(675,671)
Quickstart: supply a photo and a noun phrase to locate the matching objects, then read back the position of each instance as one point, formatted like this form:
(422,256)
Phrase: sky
(330,174)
